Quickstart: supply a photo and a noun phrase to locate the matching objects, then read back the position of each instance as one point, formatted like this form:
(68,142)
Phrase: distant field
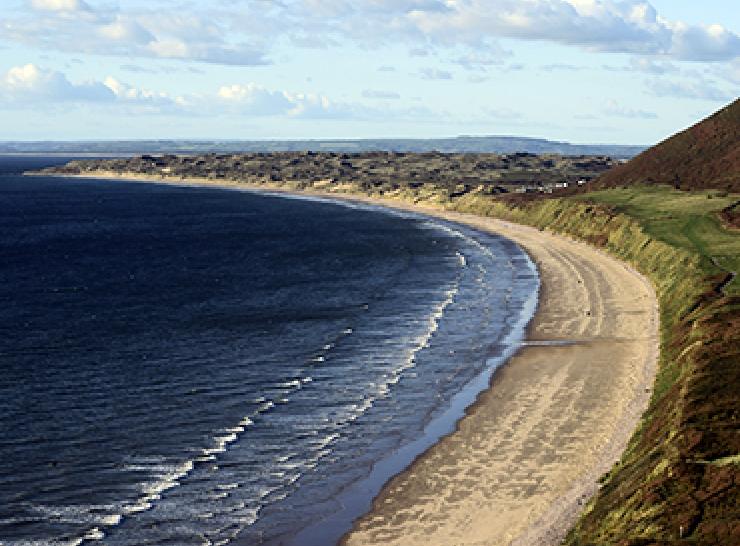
(682,219)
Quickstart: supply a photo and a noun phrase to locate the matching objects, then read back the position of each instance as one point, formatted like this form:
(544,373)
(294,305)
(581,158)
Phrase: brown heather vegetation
(704,156)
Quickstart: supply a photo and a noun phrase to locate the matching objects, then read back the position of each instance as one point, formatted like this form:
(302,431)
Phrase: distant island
(460,144)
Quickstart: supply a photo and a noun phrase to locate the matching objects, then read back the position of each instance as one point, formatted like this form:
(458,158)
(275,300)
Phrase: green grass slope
(688,221)
(704,156)
(677,483)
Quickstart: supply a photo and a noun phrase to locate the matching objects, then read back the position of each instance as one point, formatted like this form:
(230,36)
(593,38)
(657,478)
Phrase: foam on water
(275,433)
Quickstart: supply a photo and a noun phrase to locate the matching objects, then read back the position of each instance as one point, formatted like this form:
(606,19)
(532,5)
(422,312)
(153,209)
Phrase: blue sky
(630,72)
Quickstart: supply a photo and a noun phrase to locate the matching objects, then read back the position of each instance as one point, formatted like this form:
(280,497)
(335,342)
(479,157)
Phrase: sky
(584,71)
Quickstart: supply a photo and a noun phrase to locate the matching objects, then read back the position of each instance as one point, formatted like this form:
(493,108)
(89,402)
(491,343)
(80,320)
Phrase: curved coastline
(527,454)
(556,418)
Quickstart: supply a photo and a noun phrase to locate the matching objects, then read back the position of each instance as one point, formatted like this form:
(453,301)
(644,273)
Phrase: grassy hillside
(706,155)
(687,221)
(677,483)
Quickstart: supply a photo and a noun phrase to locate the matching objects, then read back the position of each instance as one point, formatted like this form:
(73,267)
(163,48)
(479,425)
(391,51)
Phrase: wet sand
(528,454)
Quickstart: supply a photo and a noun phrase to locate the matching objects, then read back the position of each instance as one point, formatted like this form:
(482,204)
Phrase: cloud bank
(244,33)
(76,26)
(31,86)
(29,83)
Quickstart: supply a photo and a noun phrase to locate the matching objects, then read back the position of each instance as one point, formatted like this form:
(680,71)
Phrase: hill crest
(704,156)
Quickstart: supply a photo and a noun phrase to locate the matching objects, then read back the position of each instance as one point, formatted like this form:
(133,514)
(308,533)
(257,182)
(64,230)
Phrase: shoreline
(521,463)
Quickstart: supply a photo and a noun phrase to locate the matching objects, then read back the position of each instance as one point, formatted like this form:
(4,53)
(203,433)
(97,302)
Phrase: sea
(200,366)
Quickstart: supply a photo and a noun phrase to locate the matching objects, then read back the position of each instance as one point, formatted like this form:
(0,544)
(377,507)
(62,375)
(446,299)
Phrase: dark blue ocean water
(185,366)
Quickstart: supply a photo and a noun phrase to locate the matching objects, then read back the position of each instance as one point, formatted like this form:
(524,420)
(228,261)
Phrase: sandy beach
(528,454)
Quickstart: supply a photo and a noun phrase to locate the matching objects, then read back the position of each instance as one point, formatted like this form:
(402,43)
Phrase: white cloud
(145,97)
(252,99)
(74,26)
(169,48)
(312,105)
(701,90)
(614,109)
(435,74)
(125,29)
(33,86)
(238,33)
(630,26)
(59,5)
(380,94)
(255,99)
(30,83)
(703,43)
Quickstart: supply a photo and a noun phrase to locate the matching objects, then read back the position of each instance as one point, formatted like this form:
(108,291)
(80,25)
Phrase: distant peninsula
(460,144)
(453,175)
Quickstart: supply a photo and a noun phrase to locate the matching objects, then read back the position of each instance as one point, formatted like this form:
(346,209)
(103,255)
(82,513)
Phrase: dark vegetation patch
(704,156)
(455,174)
(730,215)
(678,482)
